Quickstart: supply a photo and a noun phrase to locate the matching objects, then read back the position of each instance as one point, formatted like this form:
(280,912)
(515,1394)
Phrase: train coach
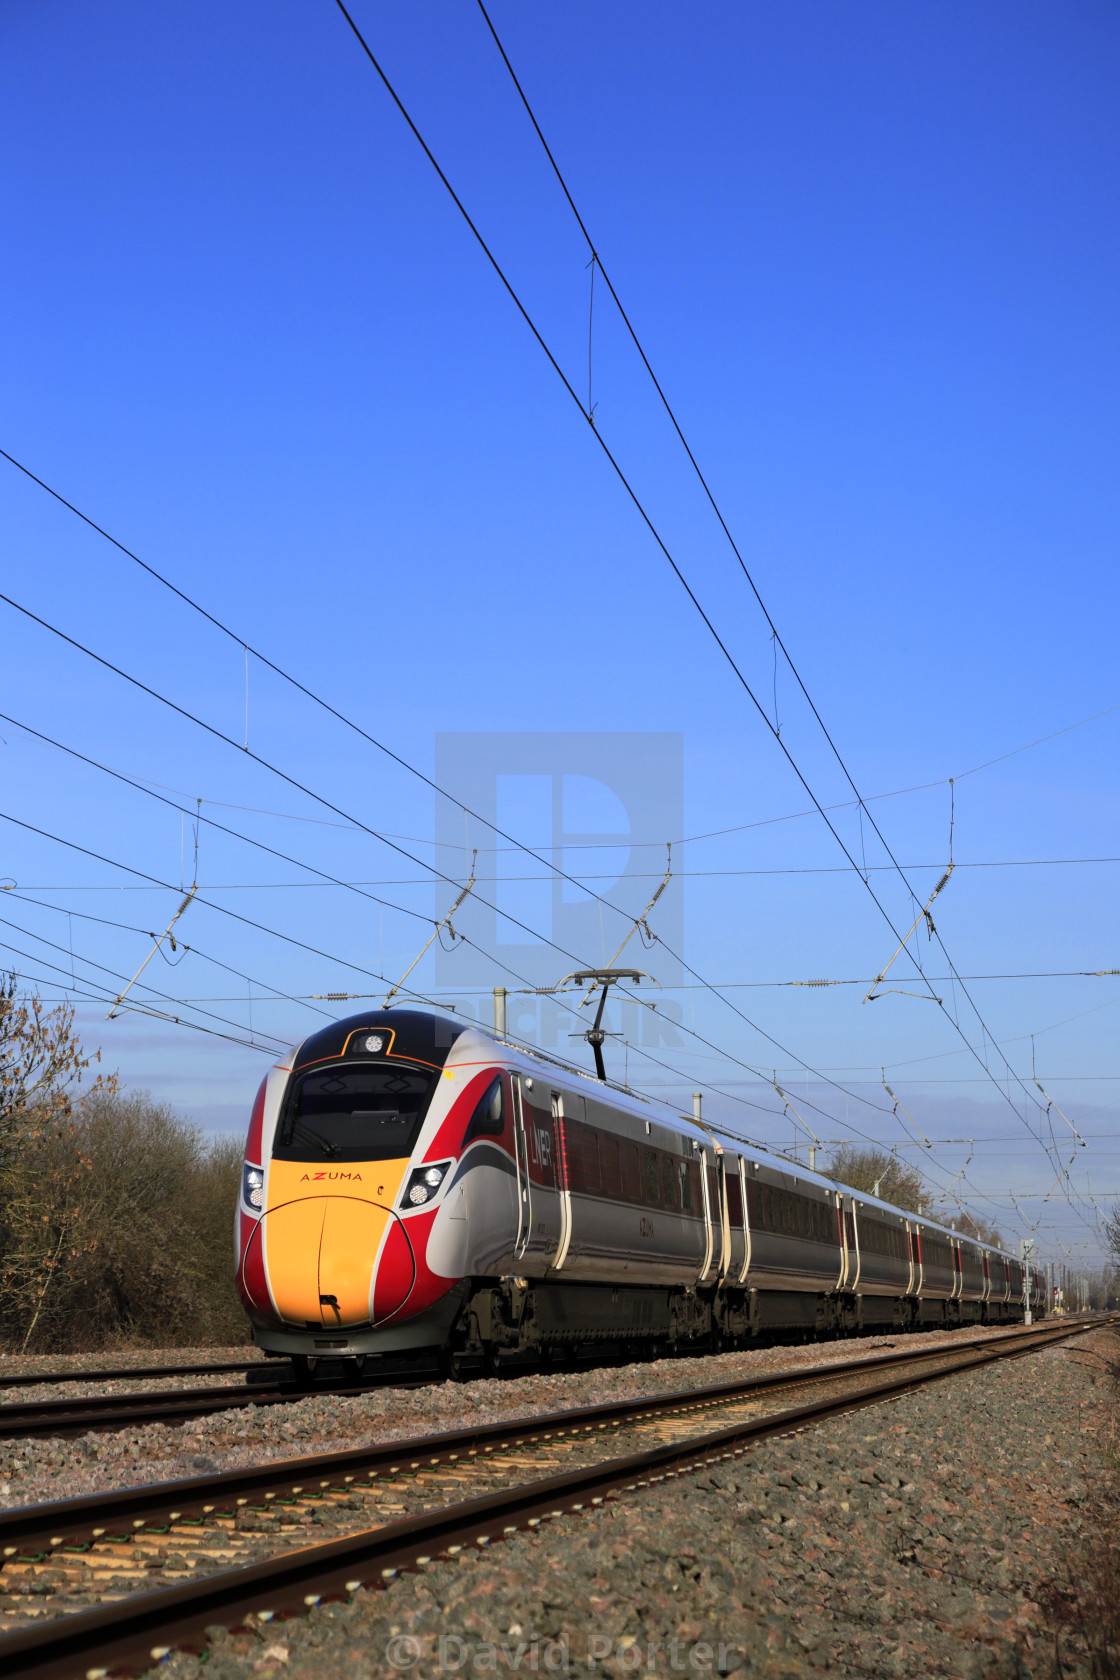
(413,1184)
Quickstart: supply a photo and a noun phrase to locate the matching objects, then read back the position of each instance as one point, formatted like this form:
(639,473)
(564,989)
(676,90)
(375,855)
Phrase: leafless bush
(118,1229)
(115,1215)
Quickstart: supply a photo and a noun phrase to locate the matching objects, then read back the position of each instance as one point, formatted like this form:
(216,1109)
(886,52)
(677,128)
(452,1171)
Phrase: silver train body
(412,1184)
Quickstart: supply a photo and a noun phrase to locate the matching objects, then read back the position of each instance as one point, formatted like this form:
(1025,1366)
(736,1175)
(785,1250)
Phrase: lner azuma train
(414,1184)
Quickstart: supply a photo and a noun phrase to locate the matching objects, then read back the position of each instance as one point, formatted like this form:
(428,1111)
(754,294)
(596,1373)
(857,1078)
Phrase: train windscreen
(353,1113)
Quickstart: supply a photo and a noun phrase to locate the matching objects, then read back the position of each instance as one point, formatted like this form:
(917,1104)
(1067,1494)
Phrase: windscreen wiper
(328,1148)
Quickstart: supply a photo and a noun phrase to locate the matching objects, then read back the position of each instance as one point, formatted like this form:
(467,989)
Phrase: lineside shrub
(115,1214)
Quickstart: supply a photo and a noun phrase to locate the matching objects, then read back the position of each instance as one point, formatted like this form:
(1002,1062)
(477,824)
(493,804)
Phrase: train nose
(338,1261)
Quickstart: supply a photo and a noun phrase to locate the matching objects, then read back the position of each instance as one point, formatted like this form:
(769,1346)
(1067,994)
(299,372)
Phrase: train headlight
(252,1187)
(424,1184)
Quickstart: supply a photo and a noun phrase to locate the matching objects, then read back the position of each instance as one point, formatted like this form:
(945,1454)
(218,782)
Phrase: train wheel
(304,1370)
(457,1366)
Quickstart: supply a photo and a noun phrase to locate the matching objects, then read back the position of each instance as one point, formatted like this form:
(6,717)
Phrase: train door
(524,1182)
(746,1220)
(710,1201)
(958,1275)
(562,1182)
(735,1197)
(851,1234)
(723,1227)
(538,1196)
(914,1237)
(843,1278)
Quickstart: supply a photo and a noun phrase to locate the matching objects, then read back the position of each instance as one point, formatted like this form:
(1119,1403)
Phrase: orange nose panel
(352,1237)
(292,1236)
(322,1251)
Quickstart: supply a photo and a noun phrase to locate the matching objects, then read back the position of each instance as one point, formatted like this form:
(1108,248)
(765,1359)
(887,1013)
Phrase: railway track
(137,1373)
(276,1385)
(82,1414)
(119,1538)
(78,1416)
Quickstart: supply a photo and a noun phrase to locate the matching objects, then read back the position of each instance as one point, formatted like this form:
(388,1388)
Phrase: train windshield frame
(353,1111)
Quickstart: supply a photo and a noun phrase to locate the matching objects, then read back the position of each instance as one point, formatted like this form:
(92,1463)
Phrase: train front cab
(330,1245)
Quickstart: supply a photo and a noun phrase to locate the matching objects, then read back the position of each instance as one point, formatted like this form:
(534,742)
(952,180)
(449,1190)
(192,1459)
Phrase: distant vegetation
(879,1172)
(115,1214)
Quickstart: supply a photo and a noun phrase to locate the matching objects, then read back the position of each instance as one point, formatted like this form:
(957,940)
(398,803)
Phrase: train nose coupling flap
(323,1253)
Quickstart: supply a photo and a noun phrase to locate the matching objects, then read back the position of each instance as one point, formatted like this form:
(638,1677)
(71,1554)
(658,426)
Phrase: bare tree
(41,1060)
(1112,1229)
(122,1231)
(41,1066)
(971,1225)
(879,1173)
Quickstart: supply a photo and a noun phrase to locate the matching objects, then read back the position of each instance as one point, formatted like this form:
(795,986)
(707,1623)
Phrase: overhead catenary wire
(80,990)
(292,781)
(640,1050)
(776,638)
(709,623)
(247,839)
(773,726)
(264,763)
(301,687)
(141,1007)
(277,995)
(720,1088)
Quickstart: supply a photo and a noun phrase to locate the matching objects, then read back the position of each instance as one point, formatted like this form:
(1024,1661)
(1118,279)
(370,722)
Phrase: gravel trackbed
(910,1539)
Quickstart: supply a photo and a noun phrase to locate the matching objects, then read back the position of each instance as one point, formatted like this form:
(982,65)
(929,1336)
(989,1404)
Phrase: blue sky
(871,253)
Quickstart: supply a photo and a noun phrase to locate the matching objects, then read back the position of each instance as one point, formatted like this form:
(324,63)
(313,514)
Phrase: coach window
(489,1115)
(653,1196)
(668,1182)
(610,1165)
(686,1186)
(631,1175)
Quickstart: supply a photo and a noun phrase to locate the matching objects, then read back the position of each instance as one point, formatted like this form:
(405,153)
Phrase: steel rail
(143,1628)
(80,1415)
(126,1510)
(124,1411)
(27,1379)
